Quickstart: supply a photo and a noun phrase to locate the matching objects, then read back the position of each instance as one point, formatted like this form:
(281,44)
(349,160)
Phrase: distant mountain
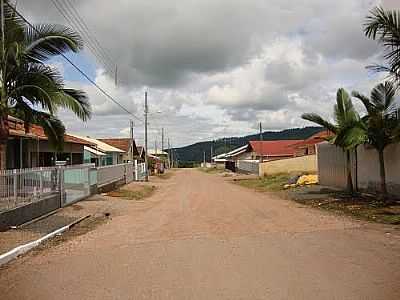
(194,153)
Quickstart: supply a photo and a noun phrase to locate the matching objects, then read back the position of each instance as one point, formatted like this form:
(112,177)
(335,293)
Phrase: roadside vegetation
(212,170)
(361,206)
(139,193)
(271,183)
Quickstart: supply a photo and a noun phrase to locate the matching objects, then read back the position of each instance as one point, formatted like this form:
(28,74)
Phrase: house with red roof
(29,147)
(309,145)
(271,150)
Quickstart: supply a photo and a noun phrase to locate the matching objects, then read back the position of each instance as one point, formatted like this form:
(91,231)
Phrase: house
(130,150)
(271,150)
(161,155)
(29,147)
(100,153)
(309,145)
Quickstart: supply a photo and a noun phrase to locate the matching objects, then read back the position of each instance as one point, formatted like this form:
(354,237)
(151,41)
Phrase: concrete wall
(306,163)
(365,167)
(22,214)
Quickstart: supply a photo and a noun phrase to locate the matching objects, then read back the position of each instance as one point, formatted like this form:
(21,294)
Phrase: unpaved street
(201,237)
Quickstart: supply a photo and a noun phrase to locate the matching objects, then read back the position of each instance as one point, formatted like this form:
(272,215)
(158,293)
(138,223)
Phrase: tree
(384,26)
(30,89)
(347,133)
(382,123)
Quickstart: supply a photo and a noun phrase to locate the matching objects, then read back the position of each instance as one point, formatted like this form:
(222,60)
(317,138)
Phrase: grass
(212,170)
(362,207)
(138,194)
(269,183)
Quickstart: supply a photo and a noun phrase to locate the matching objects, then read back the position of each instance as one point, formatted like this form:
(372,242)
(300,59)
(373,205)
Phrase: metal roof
(99,145)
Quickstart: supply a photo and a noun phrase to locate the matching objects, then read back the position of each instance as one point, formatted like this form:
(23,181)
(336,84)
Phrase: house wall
(306,163)
(365,167)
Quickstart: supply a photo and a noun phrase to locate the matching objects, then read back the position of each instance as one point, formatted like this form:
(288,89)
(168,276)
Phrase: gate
(76,181)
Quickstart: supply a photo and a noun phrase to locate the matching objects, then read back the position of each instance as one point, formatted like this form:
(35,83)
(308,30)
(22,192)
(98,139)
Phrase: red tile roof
(274,148)
(120,143)
(17,128)
(314,139)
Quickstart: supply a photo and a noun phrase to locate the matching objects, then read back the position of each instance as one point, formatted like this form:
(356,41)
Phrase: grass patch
(138,194)
(212,170)
(362,207)
(269,183)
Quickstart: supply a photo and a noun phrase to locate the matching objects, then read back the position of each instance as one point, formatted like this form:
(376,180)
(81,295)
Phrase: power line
(77,68)
(75,21)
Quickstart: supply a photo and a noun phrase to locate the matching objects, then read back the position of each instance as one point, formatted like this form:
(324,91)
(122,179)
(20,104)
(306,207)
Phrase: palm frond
(317,119)
(77,102)
(44,41)
(53,128)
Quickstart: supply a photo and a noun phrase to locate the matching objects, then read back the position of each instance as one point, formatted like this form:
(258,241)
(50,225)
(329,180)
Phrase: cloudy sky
(216,68)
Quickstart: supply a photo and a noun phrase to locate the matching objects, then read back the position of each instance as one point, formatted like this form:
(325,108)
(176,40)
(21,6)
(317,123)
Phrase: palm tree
(30,89)
(346,132)
(382,123)
(384,26)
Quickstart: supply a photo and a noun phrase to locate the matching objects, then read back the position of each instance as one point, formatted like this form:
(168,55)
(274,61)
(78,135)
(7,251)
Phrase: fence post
(136,171)
(61,184)
(40,182)
(15,185)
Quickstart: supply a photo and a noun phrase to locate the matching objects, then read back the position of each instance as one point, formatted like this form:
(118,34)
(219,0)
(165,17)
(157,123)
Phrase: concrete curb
(17,251)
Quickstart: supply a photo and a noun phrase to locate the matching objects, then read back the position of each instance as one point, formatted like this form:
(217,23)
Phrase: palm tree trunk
(3,141)
(382,173)
(350,187)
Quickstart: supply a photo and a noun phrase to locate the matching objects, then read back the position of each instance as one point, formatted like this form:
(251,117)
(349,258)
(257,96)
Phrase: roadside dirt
(201,237)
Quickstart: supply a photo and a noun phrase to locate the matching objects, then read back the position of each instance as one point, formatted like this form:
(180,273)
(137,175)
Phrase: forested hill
(194,152)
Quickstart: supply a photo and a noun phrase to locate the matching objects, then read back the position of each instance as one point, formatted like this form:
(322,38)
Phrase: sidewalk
(94,206)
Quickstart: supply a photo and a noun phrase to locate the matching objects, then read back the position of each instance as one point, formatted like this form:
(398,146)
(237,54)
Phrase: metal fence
(72,183)
(24,186)
(248,166)
(109,174)
(76,183)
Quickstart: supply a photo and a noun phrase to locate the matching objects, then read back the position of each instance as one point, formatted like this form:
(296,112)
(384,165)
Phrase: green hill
(193,154)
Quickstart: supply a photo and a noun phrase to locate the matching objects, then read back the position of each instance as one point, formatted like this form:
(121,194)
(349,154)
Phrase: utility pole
(172,157)
(162,140)
(155,146)
(146,111)
(211,153)
(169,155)
(261,147)
(132,139)
(204,159)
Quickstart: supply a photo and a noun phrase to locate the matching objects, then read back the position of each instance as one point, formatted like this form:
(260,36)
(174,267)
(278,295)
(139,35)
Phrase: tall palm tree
(384,26)
(346,133)
(30,89)
(382,123)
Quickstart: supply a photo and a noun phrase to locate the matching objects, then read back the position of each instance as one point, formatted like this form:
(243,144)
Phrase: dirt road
(200,237)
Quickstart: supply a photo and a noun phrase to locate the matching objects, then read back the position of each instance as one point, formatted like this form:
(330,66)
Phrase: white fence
(24,186)
(72,183)
(248,166)
(109,174)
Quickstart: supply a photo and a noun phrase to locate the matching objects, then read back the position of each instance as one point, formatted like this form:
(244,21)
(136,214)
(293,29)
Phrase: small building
(130,150)
(100,153)
(309,145)
(30,147)
(271,150)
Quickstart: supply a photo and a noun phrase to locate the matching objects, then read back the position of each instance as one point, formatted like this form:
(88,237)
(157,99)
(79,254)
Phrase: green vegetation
(211,170)
(190,156)
(346,132)
(384,26)
(381,125)
(30,89)
(361,207)
(269,183)
(139,193)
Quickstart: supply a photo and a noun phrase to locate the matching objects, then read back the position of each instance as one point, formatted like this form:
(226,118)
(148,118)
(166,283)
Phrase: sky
(215,68)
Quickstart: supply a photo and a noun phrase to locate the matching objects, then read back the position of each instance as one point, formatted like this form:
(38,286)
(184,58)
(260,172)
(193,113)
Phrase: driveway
(201,237)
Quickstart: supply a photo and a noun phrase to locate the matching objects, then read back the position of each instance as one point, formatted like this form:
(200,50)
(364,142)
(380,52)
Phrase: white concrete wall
(331,167)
